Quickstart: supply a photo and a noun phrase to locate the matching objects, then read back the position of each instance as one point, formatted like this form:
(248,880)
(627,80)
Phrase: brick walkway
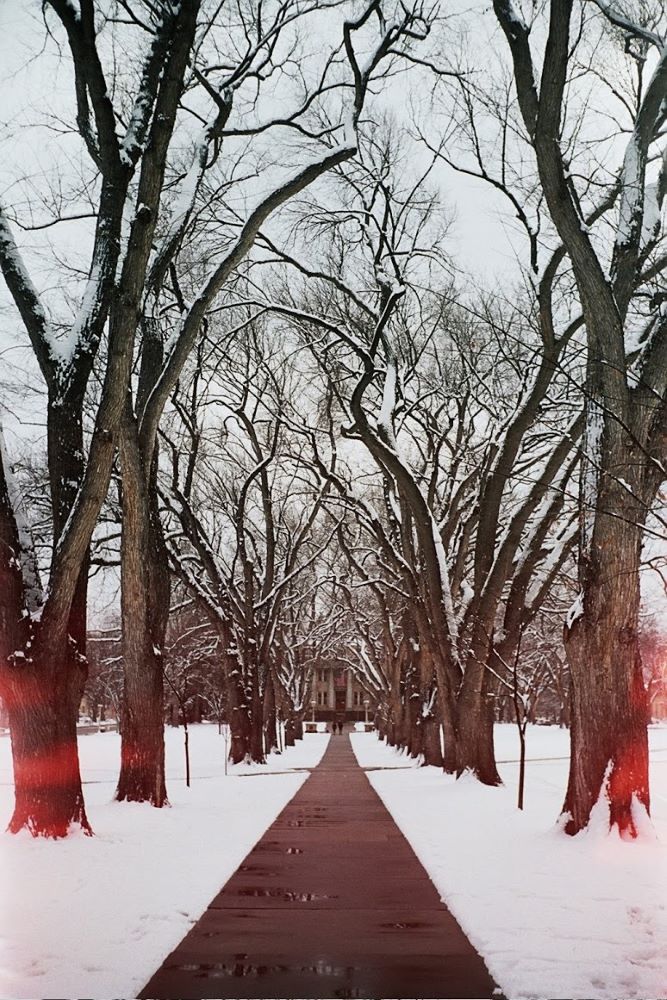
(331,902)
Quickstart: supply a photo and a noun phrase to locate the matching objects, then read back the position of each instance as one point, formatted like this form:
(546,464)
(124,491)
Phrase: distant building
(658,696)
(654,661)
(336,694)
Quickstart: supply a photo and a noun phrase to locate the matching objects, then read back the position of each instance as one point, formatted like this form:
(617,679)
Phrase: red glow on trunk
(625,785)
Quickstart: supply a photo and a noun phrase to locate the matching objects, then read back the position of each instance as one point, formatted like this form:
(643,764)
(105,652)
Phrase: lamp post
(366,703)
(312,705)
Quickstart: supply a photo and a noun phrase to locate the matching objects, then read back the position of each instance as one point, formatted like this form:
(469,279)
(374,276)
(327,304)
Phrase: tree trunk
(43,685)
(411,731)
(435,667)
(416,732)
(450,755)
(145,610)
(256,720)
(290,730)
(269,711)
(475,708)
(475,751)
(239,717)
(609,704)
(399,732)
(42,706)
(431,748)
(394,718)
(389,723)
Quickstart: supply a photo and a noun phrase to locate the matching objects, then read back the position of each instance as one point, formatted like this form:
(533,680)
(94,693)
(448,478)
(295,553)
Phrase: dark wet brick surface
(331,902)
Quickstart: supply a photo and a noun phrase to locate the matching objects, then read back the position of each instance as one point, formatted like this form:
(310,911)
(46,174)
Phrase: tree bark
(431,747)
(290,730)
(42,702)
(475,751)
(145,606)
(270,729)
(624,430)
(609,703)
(256,718)
(45,696)
(239,716)
(42,680)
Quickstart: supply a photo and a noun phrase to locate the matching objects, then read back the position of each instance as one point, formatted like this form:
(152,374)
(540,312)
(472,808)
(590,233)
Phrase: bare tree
(625,388)
(455,407)
(129,144)
(244,58)
(247,500)
(127,147)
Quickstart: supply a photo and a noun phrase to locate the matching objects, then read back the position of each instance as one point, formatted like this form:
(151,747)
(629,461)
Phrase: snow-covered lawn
(94,917)
(552,916)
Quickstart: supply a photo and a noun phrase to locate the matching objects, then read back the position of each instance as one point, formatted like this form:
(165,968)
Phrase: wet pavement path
(331,902)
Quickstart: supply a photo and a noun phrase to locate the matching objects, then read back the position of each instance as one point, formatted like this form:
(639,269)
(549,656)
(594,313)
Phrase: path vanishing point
(331,902)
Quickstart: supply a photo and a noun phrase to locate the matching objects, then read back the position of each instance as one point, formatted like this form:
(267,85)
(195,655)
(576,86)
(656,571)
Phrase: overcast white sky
(34,83)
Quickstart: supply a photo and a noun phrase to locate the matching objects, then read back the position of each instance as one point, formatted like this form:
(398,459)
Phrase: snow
(13,264)
(187,191)
(630,192)
(96,916)
(384,421)
(592,454)
(576,611)
(652,214)
(90,304)
(552,916)
(514,19)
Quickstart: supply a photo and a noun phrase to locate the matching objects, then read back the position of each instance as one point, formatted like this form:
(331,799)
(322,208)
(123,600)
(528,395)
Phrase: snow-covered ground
(95,916)
(553,916)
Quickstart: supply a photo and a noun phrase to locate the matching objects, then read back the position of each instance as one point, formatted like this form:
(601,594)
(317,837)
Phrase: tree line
(275,400)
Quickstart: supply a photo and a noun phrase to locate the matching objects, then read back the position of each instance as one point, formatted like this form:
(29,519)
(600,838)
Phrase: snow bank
(551,915)
(95,917)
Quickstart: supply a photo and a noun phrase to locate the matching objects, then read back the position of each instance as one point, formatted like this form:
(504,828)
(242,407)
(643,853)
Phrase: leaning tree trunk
(145,611)
(609,703)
